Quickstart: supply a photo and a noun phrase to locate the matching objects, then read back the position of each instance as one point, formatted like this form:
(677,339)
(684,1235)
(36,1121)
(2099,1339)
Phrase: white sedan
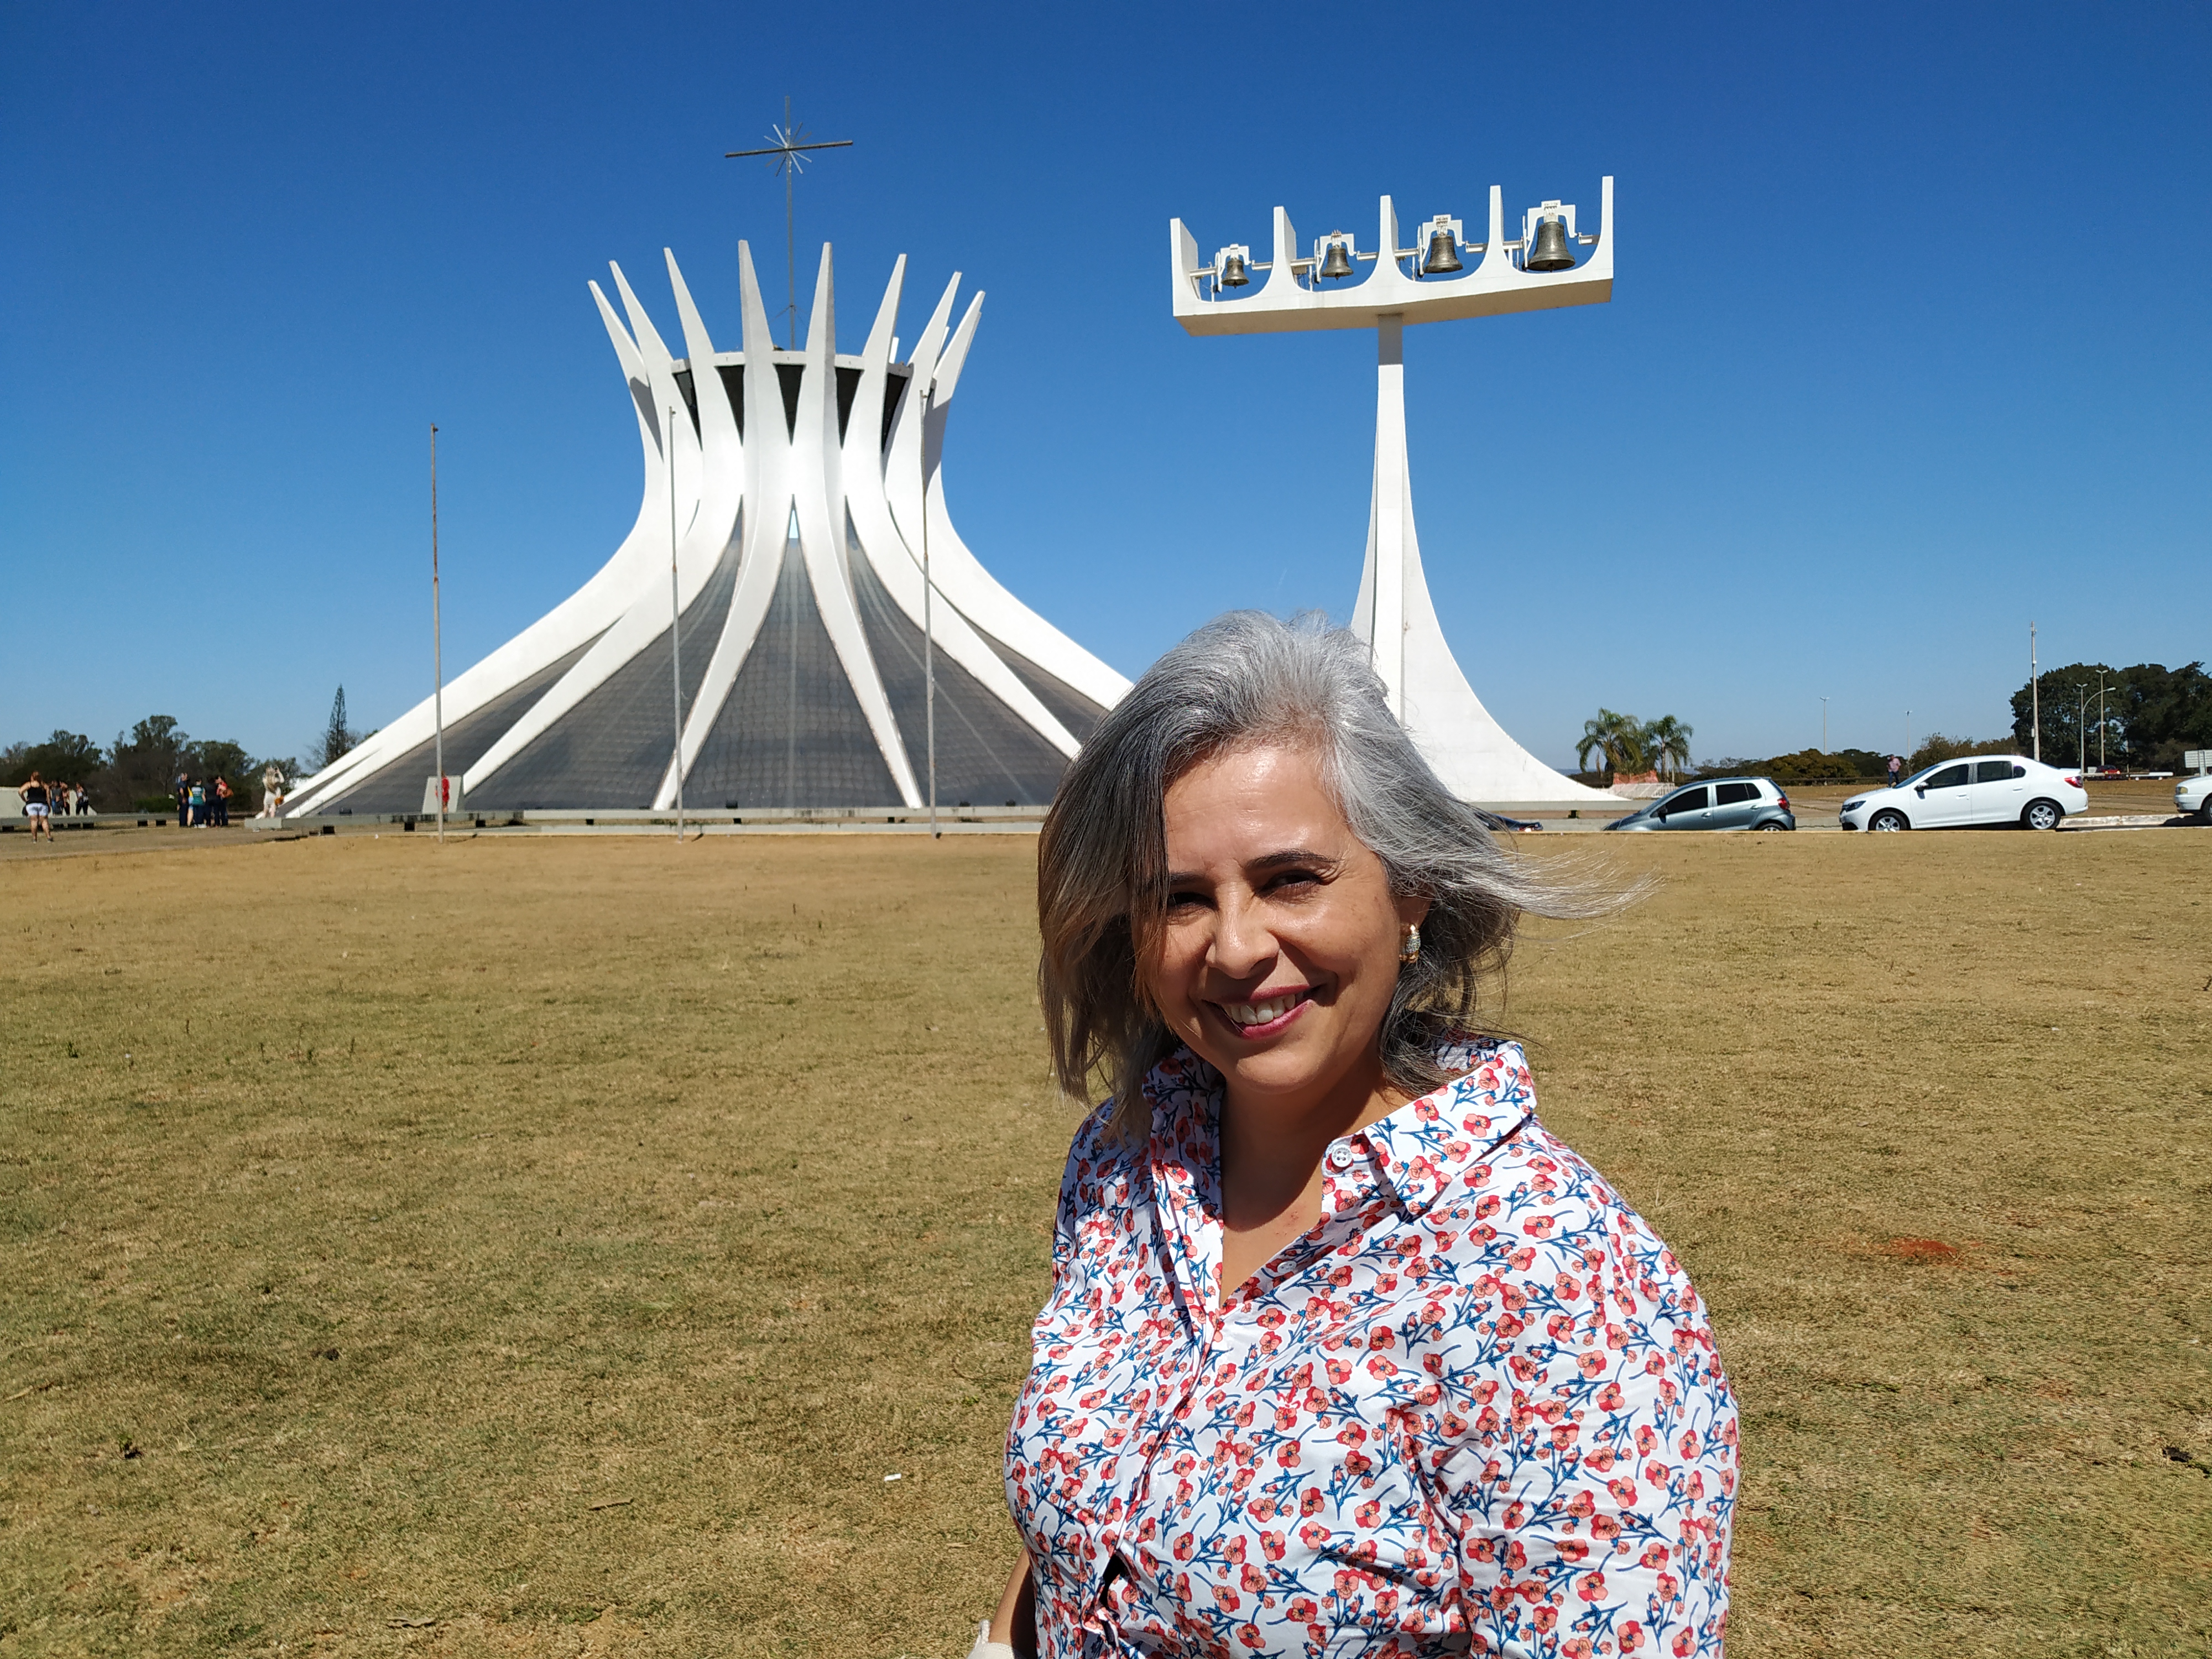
(2194,795)
(1982,789)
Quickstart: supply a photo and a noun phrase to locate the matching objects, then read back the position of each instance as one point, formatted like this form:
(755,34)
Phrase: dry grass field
(551,1246)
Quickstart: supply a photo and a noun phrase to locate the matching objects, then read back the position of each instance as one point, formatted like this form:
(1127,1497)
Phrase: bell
(1444,257)
(1549,251)
(1337,262)
(1232,272)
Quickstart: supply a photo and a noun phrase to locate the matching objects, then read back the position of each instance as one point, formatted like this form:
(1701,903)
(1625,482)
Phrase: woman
(1344,1353)
(33,793)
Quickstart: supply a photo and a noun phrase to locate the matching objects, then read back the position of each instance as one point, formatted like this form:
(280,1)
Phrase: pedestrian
(1325,1286)
(196,805)
(222,803)
(184,792)
(36,807)
(1896,766)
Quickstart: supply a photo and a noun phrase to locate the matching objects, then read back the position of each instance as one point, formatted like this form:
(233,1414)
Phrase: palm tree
(1667,741)
(1617,737)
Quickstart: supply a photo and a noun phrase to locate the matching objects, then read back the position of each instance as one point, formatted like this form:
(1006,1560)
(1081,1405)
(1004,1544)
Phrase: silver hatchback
(1718,804)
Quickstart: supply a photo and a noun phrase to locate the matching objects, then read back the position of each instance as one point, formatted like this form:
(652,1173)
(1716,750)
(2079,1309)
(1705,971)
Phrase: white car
(2194,795)
(1981,789)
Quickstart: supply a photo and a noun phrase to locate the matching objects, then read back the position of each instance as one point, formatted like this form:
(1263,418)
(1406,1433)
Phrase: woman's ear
(1412,910)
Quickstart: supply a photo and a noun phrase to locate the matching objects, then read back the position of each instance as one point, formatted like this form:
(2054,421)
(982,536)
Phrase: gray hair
(1244,680)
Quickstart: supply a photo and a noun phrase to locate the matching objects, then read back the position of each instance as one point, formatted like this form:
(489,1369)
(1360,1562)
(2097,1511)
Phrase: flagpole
(437,639)
(675,622)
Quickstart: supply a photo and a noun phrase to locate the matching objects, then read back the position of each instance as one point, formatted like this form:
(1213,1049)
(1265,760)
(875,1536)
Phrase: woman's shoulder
(1571,1218)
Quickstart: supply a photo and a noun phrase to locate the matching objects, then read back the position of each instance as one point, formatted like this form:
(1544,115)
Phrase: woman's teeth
(1261,1013)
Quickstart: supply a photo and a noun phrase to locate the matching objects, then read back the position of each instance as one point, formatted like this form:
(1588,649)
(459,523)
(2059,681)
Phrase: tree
(144,763)
(64,757)
(337,736)
(1667,741)
(2151,714)
(1618,738)
(1936,747)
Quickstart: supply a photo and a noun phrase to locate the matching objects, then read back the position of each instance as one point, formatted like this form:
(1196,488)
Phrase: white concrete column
(1389,517)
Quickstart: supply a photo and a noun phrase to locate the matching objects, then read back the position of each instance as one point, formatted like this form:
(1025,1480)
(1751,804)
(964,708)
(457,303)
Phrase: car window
(1731,795)
(1994,772)
(1690,800)
(1949,778)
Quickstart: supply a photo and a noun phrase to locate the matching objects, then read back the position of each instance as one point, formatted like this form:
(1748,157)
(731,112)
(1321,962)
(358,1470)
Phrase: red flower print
(1368,1513)
(1609,1397)
(1272,1544)
(1591,1587)
(1250,1636)
(1313,1534)
(1311,1502)
(1654,1555)
(1632,1637)
(1572,1549)
(1623,1490)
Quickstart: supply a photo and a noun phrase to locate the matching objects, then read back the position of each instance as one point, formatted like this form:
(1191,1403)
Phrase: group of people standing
(42,802)
(202,804)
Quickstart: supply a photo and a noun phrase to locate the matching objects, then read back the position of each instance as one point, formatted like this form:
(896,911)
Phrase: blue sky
(1908,343)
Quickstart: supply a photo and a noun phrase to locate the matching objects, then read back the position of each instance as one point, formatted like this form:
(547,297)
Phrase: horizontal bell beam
(1493,284)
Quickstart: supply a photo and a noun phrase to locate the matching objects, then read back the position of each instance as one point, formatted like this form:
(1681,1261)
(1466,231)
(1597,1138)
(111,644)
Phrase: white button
(1340,1157)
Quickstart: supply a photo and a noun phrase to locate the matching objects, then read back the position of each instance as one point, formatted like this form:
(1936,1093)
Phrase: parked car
(2194,795)
(1982,789)
(1498,820)
(1715,804)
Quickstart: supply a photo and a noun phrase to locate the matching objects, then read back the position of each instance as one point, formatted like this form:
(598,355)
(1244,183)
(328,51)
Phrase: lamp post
(1427,281)
(675,639)
(437,642)
(2034,697)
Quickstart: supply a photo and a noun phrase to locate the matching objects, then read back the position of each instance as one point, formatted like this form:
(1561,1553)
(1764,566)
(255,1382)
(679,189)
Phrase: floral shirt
(1477,1408)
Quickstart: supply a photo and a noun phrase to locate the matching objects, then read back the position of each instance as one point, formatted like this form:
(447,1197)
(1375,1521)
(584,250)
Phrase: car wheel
(2042,815)
(1889,821)
(2204,813)
(1774,823)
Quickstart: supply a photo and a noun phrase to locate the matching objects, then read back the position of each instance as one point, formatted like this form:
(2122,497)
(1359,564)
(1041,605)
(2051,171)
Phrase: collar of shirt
(1416,1153)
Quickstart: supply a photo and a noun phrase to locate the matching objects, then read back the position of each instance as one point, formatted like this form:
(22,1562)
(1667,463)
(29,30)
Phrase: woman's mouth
(1269,1015)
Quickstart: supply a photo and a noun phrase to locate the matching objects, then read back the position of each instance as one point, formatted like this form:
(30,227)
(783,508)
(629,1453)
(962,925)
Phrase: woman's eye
(1293,880)
(1183,901)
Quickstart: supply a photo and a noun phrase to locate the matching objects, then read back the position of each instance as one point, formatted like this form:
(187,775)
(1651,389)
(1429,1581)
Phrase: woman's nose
(1242,943)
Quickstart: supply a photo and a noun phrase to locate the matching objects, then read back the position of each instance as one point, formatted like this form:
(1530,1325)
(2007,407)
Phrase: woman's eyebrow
(1288,856)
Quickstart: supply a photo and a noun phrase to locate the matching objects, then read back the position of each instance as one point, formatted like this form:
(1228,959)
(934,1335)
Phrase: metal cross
(790,154)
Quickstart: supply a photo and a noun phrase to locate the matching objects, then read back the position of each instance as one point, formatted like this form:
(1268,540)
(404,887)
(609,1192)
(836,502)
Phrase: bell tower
(1428,282)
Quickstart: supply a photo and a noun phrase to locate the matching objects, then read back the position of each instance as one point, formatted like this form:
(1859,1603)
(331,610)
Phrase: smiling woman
(1345,1353)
